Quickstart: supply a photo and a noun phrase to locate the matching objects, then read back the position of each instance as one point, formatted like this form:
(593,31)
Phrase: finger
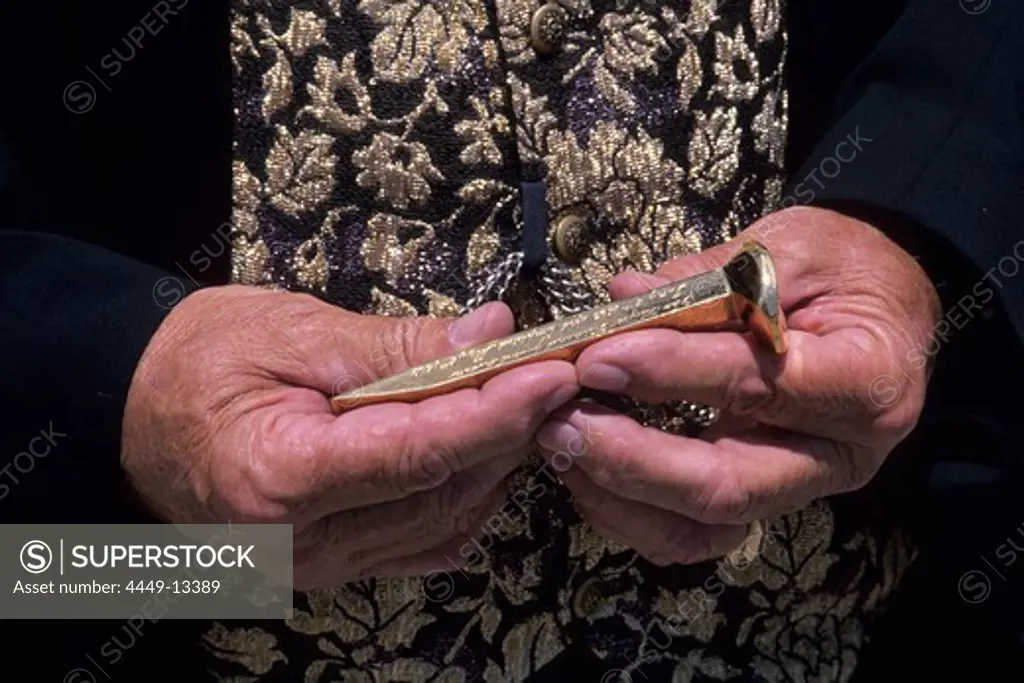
(333,565)
(822,386)
(323,464)
(454,555)
(661,536)
(352,350)
(432,516)
(793,260)
(444,558)
(727,424)
(736,479)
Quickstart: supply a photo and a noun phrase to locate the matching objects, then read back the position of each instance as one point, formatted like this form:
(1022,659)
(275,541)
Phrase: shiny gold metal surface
(589,598)
(548,27)
(744,290)
(571,238)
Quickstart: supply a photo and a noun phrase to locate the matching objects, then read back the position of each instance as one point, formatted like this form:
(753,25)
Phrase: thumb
(375,347)
(397,344)
(632,283)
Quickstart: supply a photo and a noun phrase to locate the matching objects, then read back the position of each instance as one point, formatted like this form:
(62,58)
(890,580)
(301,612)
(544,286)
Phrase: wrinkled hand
(228,418)
(817,422)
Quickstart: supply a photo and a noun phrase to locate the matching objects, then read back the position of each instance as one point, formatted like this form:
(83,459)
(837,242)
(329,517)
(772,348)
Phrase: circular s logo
(975,6)
(36,557)
(438,586)
(79,676)
(885,390)
(167,292)
(79,97)
(974,587)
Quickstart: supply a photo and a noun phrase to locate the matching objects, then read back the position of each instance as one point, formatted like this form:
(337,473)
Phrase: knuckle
(418,469)
(616,470)
(724,500)
(896,423)
(607,476)
(311,542)
(680,545)
(857,467)
(675,542)
(688,556)
(703,548)
(448,502)
(508,429)
(456,525)
(456,507)
(316,534)
(522,424)
(393,345)
(363,563)
(407,336)
(275,484)
(659,558)
(365,572)
(320,556)
(462,523)
(260,476)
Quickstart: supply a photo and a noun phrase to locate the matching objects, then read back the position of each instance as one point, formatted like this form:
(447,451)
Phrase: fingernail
(604,378)
(468,329)
(653,280)
(557,435)
(649,280)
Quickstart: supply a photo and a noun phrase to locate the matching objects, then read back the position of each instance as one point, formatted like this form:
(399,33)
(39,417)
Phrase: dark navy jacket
(97,205)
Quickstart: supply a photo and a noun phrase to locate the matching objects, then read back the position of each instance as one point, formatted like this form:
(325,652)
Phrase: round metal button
(548,28)
(589,598)
(572,239)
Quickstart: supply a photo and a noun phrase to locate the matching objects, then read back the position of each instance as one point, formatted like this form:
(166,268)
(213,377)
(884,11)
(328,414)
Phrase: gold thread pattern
(379,150)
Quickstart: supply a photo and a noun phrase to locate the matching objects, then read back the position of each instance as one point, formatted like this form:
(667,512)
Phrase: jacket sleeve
(929,130)
(926,141)
(74,320)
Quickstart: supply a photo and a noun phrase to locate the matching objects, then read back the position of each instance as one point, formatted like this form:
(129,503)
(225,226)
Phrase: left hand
(816,422)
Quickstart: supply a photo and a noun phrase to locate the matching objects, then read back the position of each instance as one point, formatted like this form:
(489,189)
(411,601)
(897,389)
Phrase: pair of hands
(228,415)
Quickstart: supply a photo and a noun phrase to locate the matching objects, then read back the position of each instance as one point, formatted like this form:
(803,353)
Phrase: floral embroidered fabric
(380,150)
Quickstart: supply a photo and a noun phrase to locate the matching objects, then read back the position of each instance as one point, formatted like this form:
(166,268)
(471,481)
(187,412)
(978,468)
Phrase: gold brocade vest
(399,157)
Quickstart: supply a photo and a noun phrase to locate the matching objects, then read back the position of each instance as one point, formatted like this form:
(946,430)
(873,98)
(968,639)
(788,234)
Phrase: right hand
(228,418)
